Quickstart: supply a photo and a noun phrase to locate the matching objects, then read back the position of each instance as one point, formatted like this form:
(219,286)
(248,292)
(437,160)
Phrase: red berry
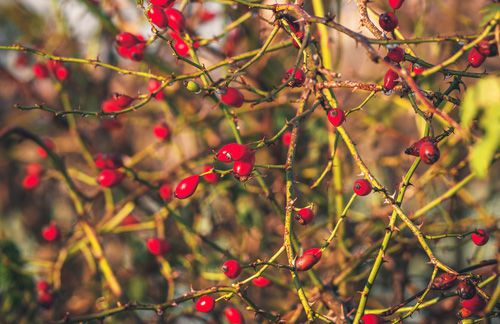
(162,3)
(157,246)
(298,79)
(286,138)
(162,131)
(464,313)
(362,187)
(165,192)
(110,106)
(45,299)
(396,54)
(206,16)
(231,268)
(476,58)
(396,4)
(211,177)
(308,259)
(233,315)
(107,161)
(300,37)
(40,71)
(50,145)
(414,149)
(125,39)
(429,152)
(31,181)
(417,69)
(475,304)
(158,17)
(372,319)
(480,237)
(187,187)
(316,252)
(261,282)
(62,73)
(244,167)
(444,281)
(42,286)
(205,304)
(154,85)
(34,169)
(305,216)
(390,80)
(336,116)
(129,220)
(122,100)
(388,21)
(231,97)
(181,47)
(51,232)
(109,177)
(466,289)
(231,152)
(175,18)
(486,48)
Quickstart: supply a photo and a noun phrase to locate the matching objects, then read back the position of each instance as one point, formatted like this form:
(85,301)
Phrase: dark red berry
(414,149)
(31,181)
(480,237)
(298,79)
(50,145)
(372,319)
(429,152)
(205,304)
(244,166)
(336,116)
(51,232)
(231,97)
(286,138)
(210,177)
(261,282)
(40,71)
(362,187)
(305,216)
(233,315)
(158,17)
(231,268)
(466,289)
(486,48)
(157,246)
(107,161)
(162,131)
(154,85)
(165,192)
(475,58)
(306,261)
(231,152)
(388,21)
(129,220)
(175,18)
(187,187)
(125,39)
(396,4)
(475,304)
(45,299)
(390,79)
(181,47)
(396,54)
(109,178)
(444,281)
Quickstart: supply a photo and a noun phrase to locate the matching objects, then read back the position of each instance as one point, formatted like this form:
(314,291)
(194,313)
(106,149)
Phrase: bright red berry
(34,169)
(396,4)
(336,116)
(429,152)
(396,54)
(162,3)
(158,17)
(231,152)
(211,177)
(122,100)
(181,47)
(244,167)
(316,252)
(62,73)
(109,178)
(130,219)
(206,16)
(475,58)
(298,79)
(480,237)
(372,319)
(388,21)
(157,246)
(109,106)
(261,282)
(286,138)
(362,187)
(233,315)
(165,192)
(390,80)
(51,232)
(417,69)
(475,304)
(40,71)
(231,268)
(187,187)
(154,85)
(126,39)
(205,304)
(42,286)
(162,131)
(466,289)
(107,161)
(305,216)
(50,145)
(308,259)
(231,97)
(31,181)
(175,18)
(414,149)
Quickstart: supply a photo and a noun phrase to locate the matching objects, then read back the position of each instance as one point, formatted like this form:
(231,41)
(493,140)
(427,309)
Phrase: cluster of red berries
(33,176)
(426,148)
(298,78)
(45,295)
(109,165)
(130,46)
(56,68)
(51,232)
(240,155)
(478,54)
(158,246)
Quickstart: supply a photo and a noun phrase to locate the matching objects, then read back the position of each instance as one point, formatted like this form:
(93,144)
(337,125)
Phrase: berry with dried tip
(444,281)
(414,149)
(211,177)
(305,216)
(231,268)
(362,187)
(298,79)
(50,145)
(396,54)
(231,152)
(51,232)
(480,237)
(244,166)
(232,97)
(165,192)
(372,319)
(158,17)
(261,282)
(205,304)
(187,187)
(466,289)
(157,246)
(429,152)
(109,178)
(476,304)
(154,85)
(40,71)
(31,181)
(475,58)
(388,21)
(176,19)
(390,79)
(336,116)
(233,315)
(162,131)
(396,4)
